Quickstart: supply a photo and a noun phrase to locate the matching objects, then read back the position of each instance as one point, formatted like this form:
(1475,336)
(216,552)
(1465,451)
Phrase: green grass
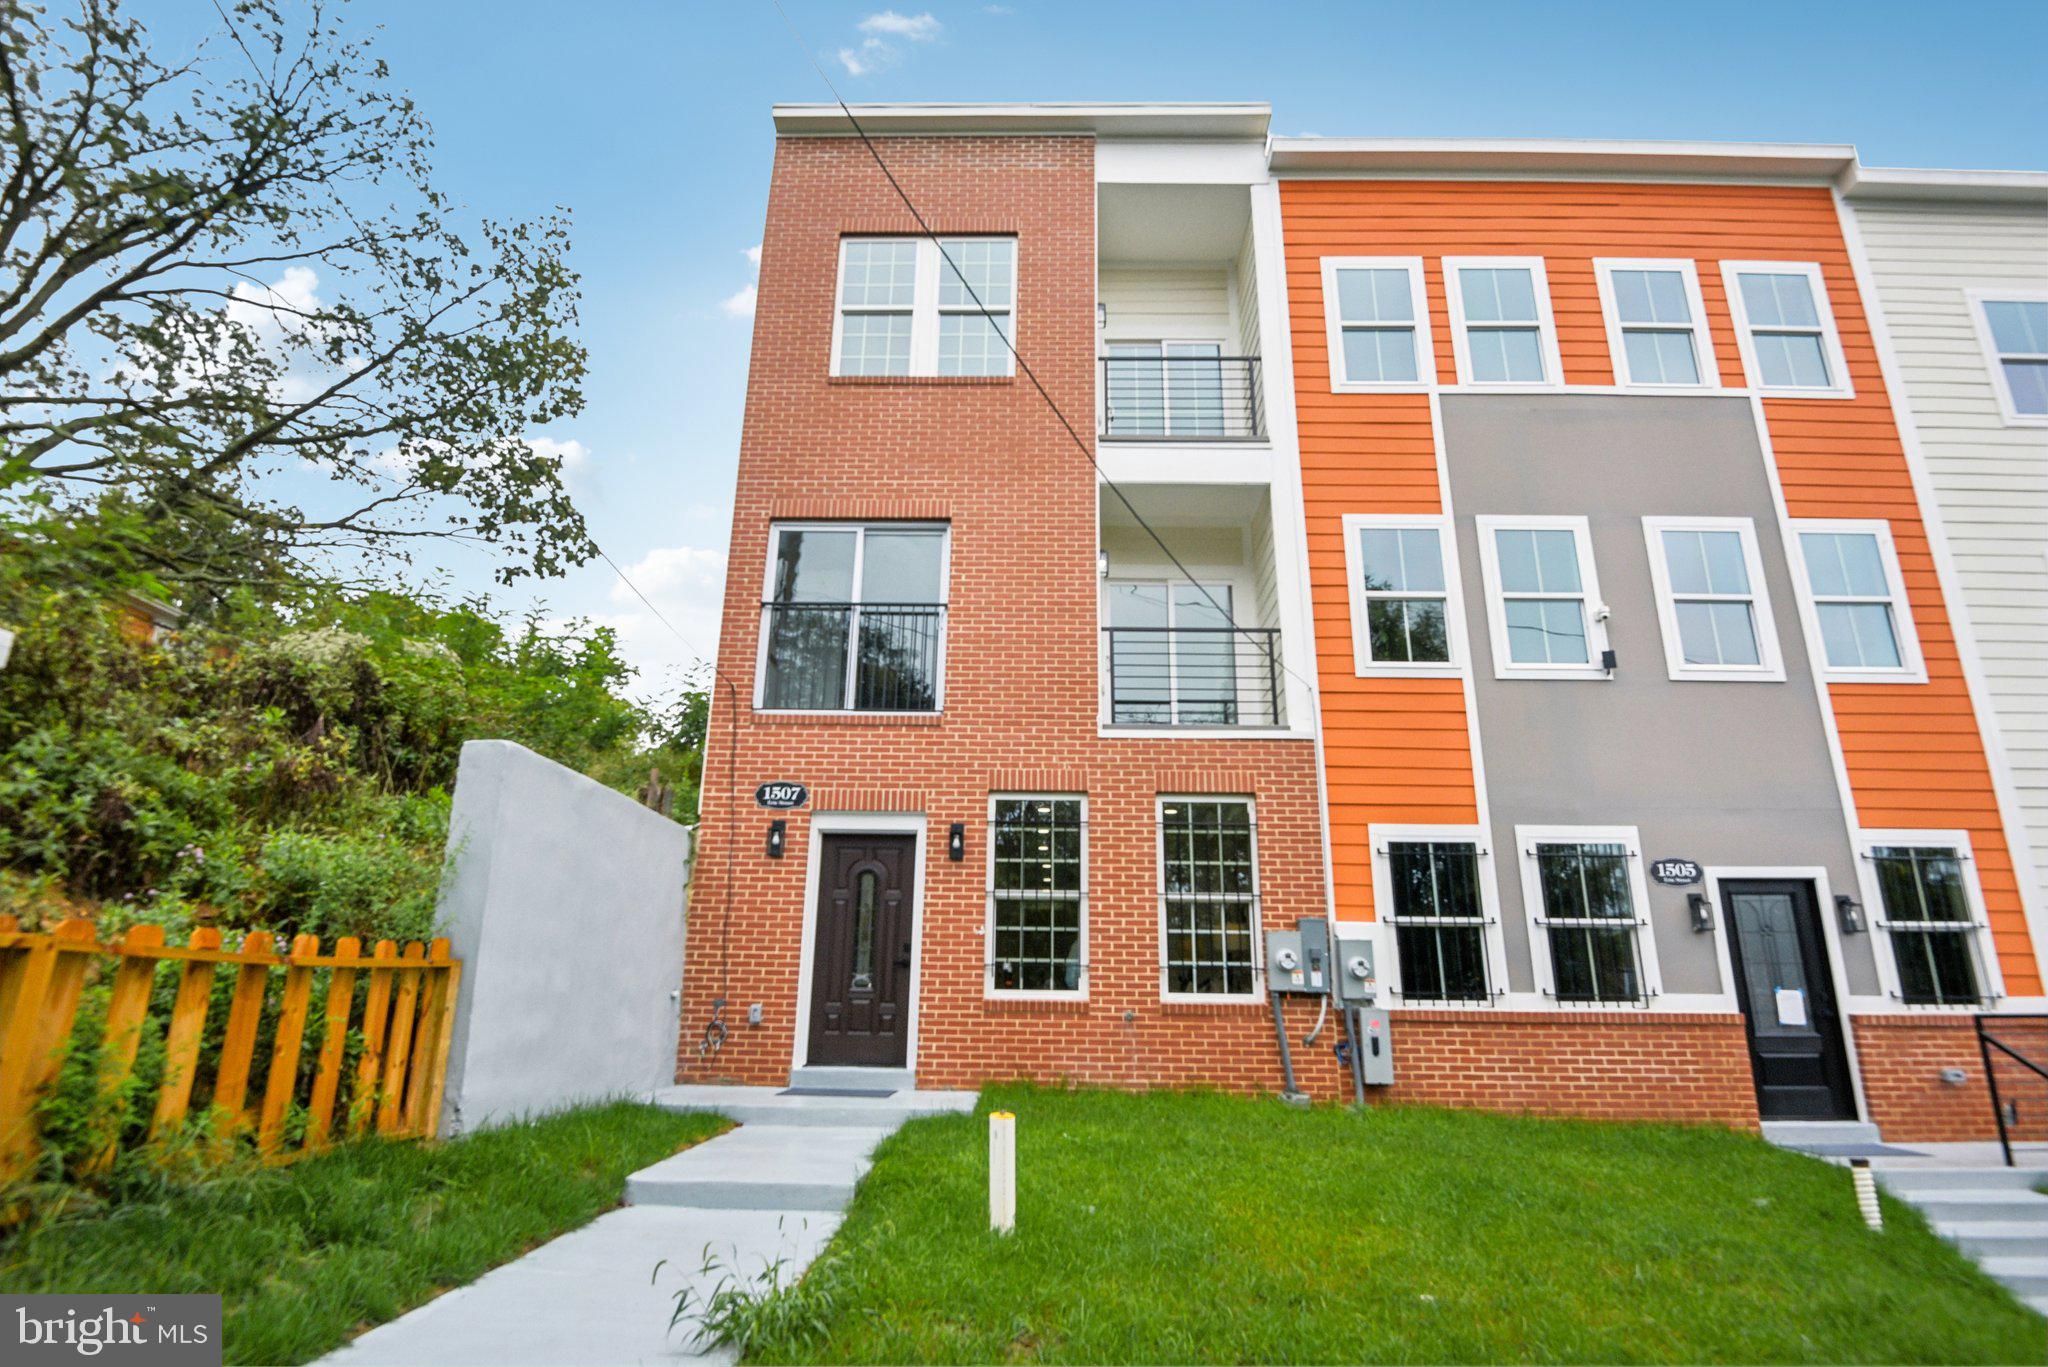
(307,1256)
(1200,1228)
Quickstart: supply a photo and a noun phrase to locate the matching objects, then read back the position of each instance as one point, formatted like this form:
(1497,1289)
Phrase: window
(907,306)
(1786,329)
(1405,614)
(1037,886)
(1164,389)
(1860,611)
(1656,324)
(1377,320)
(2012,326)
(1427,884)
(1501,326)
(1542,599)
(1209,897)
(1584,892)
(854,618)
(1176,657)
(1931,913)
(1711,604)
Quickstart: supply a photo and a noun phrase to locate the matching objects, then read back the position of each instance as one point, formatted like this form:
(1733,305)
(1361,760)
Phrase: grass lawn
(1198,1228)
(306,1256)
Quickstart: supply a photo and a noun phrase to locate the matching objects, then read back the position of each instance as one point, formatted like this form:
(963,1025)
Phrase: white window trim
(1702,335)
(1993,358)
(1912,666)
(1830,335)
(1379,835)
(775,531)
(1546,323)
(1255,997)
(1771,663)
(988,930)
(1526,840)
(924,306)
(1595,608)
(1333,325)
(1362,662)
(1993,980)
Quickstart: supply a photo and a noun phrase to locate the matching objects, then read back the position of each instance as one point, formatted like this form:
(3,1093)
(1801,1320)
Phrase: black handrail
(863,657)
(1986,1042)
(1181,398)
(1193,676)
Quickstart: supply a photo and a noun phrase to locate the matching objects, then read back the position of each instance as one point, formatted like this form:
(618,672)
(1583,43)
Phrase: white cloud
(687,585)
(881,32)
(753,255)
(998,9)
(867,57)
(917,28)
(740,303)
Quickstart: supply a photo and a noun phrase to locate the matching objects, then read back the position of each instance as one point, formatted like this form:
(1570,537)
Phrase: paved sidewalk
(771,1189)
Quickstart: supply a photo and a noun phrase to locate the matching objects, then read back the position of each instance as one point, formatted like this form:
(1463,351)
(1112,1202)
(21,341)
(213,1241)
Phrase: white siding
(1990,480)
(1152,304)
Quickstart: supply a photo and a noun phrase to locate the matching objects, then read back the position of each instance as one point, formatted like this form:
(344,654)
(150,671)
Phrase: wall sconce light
(778,834)
(1702,911)
(1102,564)
(956,841)
(1850,913)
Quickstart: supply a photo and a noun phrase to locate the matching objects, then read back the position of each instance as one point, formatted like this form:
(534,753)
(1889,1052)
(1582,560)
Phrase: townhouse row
(1607,581)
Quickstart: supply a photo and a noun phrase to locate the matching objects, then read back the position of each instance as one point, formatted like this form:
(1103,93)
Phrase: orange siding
(1914,754)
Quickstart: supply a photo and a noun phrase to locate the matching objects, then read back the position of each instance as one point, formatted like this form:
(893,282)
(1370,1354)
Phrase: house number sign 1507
(782,797)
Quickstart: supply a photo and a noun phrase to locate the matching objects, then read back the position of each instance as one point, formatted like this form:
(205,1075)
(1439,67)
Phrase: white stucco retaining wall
(565,902)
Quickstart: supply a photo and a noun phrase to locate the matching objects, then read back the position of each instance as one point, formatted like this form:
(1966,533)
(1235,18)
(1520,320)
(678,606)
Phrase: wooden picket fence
(394,1088)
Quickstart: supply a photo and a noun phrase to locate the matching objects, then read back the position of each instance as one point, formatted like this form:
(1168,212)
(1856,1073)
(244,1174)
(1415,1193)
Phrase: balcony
(1192,676)
(1179,391)
(852,657)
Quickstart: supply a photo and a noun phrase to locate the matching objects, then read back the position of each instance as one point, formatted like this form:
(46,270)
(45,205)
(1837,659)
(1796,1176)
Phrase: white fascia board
(1556,156)
(1135,120)
(1866,183)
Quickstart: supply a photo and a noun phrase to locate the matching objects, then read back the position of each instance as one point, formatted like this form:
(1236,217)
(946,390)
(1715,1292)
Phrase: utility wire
(1024,366)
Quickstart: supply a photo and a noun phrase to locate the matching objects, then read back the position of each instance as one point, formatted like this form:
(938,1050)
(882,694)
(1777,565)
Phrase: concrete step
(854,1079)
(1963,1204)
(768,1106)
(762,1167)
(1996,1238)
(1800,1133)
(2024,1276)
(1910,1182)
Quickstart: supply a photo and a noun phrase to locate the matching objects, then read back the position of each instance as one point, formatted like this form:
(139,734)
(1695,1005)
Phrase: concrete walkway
(771,1189)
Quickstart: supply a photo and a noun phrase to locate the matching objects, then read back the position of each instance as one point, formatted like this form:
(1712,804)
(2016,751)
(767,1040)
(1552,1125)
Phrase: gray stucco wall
(565,903)
(1719,772)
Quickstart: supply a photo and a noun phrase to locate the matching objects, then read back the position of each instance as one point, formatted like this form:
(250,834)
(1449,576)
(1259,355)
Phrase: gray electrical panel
(1298,960)
(1375,1046)
(1357,979)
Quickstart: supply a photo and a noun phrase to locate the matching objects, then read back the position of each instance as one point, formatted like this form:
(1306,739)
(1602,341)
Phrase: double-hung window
(1376,319)
(1427,886)
(1209,897)
(1711,604)
(854,619)
(1542,598)
(2012,325)
(1931,915)
(912,306)
(1037,895)
(1501,326)
(1585,895)
(1786,329)
(1405,613)
(1656,324)
(1859,601)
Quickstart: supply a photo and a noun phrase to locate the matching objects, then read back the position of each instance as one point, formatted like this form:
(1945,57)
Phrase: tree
(221,274)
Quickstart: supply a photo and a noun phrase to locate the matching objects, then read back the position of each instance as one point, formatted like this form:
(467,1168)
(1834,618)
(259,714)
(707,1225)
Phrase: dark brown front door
(860,984)
(1788,1001)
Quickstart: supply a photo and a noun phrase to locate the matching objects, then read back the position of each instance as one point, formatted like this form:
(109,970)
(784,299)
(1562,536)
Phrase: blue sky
(649,119)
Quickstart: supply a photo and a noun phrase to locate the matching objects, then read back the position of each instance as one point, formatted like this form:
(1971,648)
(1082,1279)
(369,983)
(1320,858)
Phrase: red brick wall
(1021,671)
(1902,1057)
(1613,1065)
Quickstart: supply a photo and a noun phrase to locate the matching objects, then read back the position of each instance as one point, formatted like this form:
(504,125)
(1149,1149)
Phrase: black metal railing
(860,657)
(1182,398)
(1192,676)
(2015,1053)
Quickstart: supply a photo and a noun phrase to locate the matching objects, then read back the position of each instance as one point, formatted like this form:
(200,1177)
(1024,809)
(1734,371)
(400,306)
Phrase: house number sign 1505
(782,797)
(1676,873)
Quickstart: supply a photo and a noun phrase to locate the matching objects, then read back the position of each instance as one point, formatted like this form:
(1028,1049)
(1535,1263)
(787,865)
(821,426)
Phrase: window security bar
(1960,856)
(1640,1001)
(1493,994)
(1947,927)
(1450,921)
(1531,852)
(1389,848)
(1591,922)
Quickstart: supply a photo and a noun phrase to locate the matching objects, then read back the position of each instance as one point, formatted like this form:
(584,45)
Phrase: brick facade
(1902,1059)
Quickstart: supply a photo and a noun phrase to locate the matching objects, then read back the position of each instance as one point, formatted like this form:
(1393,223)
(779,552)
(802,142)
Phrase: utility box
(1376,1046)
(1298,960)
(1355,971)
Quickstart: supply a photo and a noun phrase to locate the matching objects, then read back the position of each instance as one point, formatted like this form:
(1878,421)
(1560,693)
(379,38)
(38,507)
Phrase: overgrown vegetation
(1173,1227)
(305,1257)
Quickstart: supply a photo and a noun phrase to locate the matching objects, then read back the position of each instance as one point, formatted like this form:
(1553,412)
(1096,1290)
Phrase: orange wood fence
(400,1022)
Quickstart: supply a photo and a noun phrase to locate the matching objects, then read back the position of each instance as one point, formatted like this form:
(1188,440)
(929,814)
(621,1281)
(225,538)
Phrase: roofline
(1248,121)
(1865,183)
(1562,156)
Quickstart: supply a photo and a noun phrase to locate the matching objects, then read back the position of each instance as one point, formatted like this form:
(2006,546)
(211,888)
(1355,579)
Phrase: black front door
(860,985)
(1788,1001)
